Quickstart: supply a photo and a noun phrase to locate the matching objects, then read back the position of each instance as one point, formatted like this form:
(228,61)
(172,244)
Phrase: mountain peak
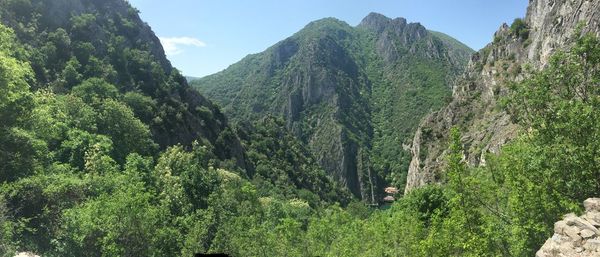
(326,22)
(375,21)
(378,23)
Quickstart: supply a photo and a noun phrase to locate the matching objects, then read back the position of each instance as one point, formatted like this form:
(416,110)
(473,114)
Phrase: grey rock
(586,233)
(592,204)
(590,218)
(592,245)
(581,224)
(559,227)
(594,216)
(572,238)
(573,233)
(26,254)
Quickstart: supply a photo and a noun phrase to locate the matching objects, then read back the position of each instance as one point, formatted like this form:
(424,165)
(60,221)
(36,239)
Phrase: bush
(519,29)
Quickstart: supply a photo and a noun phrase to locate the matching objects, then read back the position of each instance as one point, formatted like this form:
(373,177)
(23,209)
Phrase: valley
(380,139)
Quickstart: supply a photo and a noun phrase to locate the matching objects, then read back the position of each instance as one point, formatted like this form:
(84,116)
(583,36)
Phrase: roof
(391,190)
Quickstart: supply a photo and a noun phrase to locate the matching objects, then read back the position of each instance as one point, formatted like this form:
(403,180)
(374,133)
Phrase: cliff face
(549,26)
(354,95)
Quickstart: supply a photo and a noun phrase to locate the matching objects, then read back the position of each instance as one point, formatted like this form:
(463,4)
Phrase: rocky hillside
(476,104)
(354,95)
(576,236)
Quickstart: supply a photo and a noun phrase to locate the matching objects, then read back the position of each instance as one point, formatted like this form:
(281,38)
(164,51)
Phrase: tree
(15,99)
(70,73)
(519,29)
(129,134)
(95,90)
(121,224)
(560,104)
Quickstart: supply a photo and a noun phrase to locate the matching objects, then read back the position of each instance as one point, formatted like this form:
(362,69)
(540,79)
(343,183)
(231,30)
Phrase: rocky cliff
(548,26)
(354,95)
(576,236)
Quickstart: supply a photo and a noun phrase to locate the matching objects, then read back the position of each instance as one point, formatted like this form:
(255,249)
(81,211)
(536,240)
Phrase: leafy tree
(129,134)
(78,144)
(142,105)
(81,27)
(95,91)
(14,77)
(70,73)
(122,224)
(61,42)
(560,105)
(83,51)
(36,203)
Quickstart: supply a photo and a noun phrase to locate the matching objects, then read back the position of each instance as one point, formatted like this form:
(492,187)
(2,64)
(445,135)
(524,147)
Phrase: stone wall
(576,236)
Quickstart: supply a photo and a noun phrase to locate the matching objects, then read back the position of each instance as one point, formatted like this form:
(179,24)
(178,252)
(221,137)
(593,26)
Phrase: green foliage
(283,166)
(70,74)
(14,78)
(143,106)
(20,152)
(560,106)
(142,230)
(68,46)
(519,29)
(129,135)
(95,91)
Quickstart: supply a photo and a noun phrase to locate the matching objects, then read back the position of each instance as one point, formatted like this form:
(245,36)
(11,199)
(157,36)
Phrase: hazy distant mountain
(190,78)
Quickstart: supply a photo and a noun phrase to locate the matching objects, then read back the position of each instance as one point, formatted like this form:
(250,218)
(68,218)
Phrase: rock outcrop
(576,236)
(549,26)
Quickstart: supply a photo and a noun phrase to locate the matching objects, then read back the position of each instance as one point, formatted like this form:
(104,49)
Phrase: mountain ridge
(332,82)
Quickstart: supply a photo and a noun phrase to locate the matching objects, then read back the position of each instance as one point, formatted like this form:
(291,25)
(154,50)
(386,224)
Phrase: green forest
(106,151)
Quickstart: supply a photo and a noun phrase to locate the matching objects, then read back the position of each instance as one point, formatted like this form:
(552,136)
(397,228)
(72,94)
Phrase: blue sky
(202,37)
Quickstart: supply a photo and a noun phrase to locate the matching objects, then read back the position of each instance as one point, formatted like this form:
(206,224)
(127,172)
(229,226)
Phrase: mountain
(71,40)
(476,107)
(105,150)
(353,95)
(190,78)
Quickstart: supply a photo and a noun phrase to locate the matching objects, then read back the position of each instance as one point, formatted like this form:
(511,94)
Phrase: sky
(202,37)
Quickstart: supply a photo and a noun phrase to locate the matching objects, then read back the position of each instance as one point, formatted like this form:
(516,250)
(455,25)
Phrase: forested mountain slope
(106,151)
(354,95)
(476,106)
(69,41)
